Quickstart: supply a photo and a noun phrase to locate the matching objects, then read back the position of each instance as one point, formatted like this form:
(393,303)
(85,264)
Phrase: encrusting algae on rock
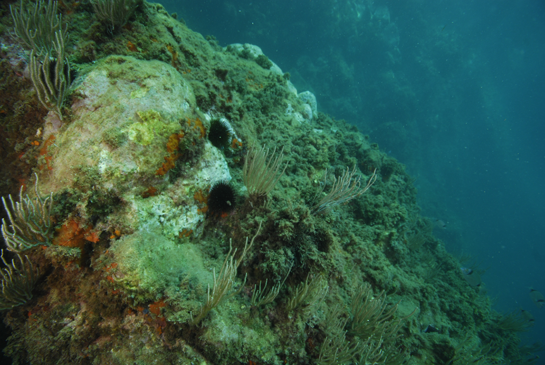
(141,271)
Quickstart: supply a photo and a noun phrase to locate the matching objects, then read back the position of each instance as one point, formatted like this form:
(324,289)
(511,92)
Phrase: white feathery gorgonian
(30,221)
(261,172)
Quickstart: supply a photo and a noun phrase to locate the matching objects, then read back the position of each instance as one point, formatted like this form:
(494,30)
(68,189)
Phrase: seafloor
(137,243)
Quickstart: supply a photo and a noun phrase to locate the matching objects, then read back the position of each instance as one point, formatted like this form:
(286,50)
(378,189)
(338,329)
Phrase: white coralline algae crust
(167,210)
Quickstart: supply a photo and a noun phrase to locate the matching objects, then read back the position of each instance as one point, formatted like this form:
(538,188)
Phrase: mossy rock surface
(131,166)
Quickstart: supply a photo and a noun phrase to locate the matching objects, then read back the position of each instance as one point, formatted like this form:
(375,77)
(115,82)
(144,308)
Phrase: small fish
(440,224)
(430,328)
(537,297)
(528,316)
(473,278)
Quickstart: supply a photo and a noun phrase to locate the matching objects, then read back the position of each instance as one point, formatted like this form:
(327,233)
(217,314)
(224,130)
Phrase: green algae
(145,131)
(152,264)
(115,137)
(263,61)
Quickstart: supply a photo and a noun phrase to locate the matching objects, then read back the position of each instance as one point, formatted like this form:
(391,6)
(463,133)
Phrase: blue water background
(464,110)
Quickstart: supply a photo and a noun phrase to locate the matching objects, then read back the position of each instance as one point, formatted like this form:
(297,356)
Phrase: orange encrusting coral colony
(185,233)
(235,144)
(198,126)
(173,153)
(44,151)
(173,145)
(131,266)
(152,191)
(202,199)
(175,63)
(131,47)
(71,234)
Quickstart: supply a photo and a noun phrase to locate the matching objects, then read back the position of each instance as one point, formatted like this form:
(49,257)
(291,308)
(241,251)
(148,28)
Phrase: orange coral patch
(92,237)
(43,151)
(198,126)
(168,165)
(150,192)
(48,162)
(174,141)
(71,235)
(22,182)
(161,324)
(200,197)
(235,143)
(112,266)
(185,233)
(174,54)
(68,264)
(131,47)
(252,83)
(173,144)
(155,308)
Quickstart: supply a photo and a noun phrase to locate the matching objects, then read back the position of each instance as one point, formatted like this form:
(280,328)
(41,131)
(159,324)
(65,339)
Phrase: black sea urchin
(221,199)
(219,134)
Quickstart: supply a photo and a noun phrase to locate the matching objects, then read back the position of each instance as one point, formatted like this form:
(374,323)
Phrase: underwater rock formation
(140,272)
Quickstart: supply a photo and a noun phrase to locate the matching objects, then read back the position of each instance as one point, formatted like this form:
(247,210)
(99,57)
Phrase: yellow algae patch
(140,93)
(145,131)
(150,116)
(141,133)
